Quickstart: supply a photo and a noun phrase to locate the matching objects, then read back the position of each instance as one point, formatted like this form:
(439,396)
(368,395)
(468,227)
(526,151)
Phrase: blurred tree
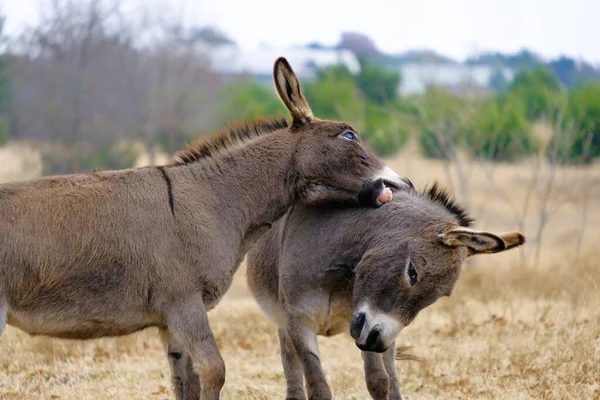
(565,69)
(91,75)
(358,43)
(386,128)
(440,117)
(333,94)
(540,89)
(379,85)
(210,36)
(4,89)
(578,139)
(247,99)
(59,158)
(500,130)
(336,94)
(498,81)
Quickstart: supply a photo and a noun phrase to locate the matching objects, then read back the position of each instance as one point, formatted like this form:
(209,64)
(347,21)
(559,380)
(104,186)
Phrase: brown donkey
(322,272)
(110,253)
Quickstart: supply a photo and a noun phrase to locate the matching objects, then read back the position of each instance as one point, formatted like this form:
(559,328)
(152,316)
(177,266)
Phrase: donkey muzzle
(373,330)
(366,339)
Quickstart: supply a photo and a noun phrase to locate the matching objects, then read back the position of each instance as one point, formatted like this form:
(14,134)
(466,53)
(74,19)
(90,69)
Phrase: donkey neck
(250,185)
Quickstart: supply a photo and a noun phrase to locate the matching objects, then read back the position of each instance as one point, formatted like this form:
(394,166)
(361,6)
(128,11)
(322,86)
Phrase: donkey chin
(373,330)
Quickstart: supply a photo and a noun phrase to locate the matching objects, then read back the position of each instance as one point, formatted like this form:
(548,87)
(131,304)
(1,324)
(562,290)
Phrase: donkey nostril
(372,339)
(356,326)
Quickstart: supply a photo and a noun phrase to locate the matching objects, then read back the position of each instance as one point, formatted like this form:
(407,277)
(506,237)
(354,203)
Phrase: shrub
(248,99)
(439,116)
(500,130)
(540,90)
(385,130)
(83,157)
(579,137)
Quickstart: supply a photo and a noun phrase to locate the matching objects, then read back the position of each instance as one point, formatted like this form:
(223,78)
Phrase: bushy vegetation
(62,159)
(4,92)
(166,94)
(583,117)
(500,130)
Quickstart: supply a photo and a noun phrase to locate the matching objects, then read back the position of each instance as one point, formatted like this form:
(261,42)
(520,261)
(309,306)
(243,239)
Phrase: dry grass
(510,330)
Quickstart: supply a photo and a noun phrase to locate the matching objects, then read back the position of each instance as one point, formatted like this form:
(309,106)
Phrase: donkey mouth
(396,187)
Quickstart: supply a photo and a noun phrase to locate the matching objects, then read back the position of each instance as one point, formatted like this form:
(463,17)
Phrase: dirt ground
(514,328)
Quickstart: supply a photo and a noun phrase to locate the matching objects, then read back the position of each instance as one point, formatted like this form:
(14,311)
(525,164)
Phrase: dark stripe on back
(169,188)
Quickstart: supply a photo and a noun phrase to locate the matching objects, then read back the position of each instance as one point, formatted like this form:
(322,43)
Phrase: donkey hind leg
(188,325)
(389,361)
(375,375)
(292,368)
(186,382)
(304,340)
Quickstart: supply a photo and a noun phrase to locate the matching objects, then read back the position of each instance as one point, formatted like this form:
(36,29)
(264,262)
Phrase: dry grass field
(513,328)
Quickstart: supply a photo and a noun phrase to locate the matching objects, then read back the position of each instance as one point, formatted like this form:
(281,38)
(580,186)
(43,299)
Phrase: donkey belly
(92,327)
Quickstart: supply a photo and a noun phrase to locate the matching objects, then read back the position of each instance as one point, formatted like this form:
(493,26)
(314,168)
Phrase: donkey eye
(350,135)
(412,275)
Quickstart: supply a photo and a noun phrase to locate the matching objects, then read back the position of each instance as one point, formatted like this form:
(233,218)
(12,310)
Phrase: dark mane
(236,134)
(442,196)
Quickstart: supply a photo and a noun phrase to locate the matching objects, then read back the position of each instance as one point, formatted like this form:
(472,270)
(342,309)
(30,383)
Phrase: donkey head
(411,267)
(331,162)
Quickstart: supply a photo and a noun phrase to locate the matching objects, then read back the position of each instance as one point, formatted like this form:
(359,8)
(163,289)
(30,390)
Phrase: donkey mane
(235,135)
(442,196)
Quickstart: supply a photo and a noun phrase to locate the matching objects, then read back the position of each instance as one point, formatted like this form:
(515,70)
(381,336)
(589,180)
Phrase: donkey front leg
(304,340)
(376,375)
(186,381)
(389,361)
(292,368)
(188,326)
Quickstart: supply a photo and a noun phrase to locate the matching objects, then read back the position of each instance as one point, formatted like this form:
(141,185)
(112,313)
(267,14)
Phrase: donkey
(320,271)
(110,253)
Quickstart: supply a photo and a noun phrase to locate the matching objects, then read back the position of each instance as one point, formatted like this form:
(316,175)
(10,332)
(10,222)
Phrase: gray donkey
(110,253)
(322,271)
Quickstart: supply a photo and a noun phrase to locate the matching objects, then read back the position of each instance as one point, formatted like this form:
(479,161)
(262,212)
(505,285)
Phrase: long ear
(479,242)
(288,88)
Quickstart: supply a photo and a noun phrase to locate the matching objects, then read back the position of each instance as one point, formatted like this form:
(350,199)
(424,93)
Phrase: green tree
(379,85)
(498,81)
(579,138)
(333,94)
(500,131)
(386,129)
(336,94)
(540,89)
(248,99)
(440,118)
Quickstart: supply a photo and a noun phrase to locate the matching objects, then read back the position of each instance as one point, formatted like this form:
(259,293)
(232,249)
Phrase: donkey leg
(188,324)
(3,315)
(375,375)
(389,361)
(186,382)
(304,340)
(292,368)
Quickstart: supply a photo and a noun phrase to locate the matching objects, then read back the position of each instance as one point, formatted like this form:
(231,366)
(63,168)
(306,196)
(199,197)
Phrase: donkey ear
(479,242)
(288,88)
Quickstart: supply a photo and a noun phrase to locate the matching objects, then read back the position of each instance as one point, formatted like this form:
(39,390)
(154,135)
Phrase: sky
(456,28)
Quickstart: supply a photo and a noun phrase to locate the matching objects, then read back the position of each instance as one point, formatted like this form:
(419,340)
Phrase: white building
(416,77)
(231,60)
